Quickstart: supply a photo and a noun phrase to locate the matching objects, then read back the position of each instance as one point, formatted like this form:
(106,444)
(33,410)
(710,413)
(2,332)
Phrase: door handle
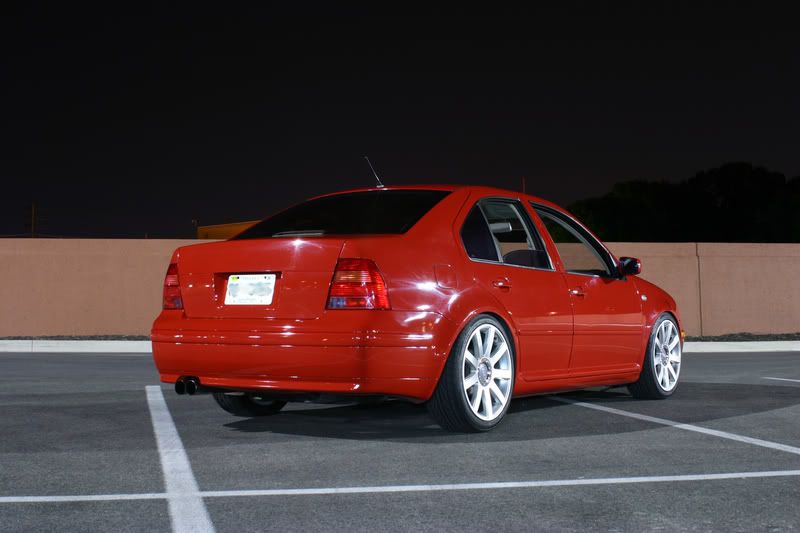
(502,283)
(577,293)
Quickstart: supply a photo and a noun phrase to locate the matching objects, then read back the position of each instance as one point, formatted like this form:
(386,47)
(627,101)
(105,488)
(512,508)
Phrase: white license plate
(250,289)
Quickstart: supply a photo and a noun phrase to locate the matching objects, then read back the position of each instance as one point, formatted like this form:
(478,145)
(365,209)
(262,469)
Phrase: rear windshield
(355,213)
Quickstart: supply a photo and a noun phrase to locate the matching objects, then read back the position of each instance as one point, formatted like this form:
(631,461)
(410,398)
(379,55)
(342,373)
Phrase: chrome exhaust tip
(191,385)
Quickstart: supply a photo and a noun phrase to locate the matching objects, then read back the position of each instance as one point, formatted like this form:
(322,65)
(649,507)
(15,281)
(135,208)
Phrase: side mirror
(629,266)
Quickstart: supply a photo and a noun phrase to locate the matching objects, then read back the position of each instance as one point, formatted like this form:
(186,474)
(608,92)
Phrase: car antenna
(380,183)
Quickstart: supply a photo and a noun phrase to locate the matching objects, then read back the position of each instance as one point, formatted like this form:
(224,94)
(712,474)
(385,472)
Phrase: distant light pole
(33,219)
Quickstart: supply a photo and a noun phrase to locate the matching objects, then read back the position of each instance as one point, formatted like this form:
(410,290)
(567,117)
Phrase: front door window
(578,255)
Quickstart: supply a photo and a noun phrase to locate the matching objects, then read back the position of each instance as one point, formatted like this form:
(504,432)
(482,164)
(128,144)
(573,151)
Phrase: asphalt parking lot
(88,444)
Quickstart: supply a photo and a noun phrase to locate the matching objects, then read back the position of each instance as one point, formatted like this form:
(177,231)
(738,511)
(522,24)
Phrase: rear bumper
(343,352)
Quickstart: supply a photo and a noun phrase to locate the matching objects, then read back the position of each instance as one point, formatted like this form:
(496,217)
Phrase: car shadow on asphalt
(529,419)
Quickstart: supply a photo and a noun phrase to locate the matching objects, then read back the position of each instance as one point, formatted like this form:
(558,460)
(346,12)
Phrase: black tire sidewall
(244,406)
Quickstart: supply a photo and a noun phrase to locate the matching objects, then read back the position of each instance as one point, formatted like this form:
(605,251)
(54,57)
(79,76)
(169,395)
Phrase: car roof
(479,190)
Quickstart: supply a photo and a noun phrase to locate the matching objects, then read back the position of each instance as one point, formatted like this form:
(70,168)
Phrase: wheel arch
(651,319)
(658,302)
(494,312)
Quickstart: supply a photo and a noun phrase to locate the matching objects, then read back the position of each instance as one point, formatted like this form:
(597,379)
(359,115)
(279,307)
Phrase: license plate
(250,289)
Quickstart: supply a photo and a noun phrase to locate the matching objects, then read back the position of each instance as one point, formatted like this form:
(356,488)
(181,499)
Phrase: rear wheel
(248,404)
(475,388)
(662,362)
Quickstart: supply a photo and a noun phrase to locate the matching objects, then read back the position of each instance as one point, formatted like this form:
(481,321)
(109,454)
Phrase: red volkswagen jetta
(461,297)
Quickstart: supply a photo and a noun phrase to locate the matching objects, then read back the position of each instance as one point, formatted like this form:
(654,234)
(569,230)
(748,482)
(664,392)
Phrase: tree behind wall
(736,202)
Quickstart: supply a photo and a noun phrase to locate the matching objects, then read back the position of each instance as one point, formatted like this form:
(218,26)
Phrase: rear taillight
(357,284)
(172,289)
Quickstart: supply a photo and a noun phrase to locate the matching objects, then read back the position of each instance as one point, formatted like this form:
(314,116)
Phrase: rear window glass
(355,213)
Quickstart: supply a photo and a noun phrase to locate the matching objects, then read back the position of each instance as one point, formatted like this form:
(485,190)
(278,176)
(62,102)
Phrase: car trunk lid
(302,268)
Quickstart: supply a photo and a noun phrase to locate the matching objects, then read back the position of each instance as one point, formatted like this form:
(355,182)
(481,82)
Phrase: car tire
(476,385)
(248,404)
(662,362)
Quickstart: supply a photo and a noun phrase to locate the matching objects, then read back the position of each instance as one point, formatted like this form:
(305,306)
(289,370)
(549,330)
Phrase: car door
(510,261)
(607,308)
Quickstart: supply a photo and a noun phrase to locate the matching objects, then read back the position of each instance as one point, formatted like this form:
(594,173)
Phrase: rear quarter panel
(427,270)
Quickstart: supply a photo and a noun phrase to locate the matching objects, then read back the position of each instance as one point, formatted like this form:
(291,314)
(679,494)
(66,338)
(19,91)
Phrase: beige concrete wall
(750,287)
(104,286)
(81,286)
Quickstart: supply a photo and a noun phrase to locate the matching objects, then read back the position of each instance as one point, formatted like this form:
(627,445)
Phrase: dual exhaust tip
(187,385)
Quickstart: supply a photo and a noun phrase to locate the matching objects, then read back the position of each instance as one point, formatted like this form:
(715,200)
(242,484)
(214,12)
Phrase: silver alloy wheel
(486,372)
(667,355)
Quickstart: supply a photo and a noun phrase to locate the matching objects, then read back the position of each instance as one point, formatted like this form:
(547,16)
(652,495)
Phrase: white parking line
(187,511)
(409,488)
(84,498)
(499,485)
(688,427)
(784,379)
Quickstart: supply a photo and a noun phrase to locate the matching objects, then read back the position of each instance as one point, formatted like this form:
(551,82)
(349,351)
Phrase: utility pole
(33,219)
(34,223)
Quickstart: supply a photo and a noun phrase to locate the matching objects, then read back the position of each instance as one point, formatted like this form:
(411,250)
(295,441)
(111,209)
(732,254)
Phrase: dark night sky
(125,123)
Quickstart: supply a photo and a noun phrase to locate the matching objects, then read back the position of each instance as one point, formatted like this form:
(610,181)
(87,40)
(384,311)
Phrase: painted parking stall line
(84,498)
(784,379)
(687,427)
(187,511)
(499,485)
(383,489)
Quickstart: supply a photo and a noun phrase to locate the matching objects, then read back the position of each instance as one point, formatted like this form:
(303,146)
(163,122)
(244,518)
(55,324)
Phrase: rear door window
(392,211)
(499,230)
(476,237)
(515,238)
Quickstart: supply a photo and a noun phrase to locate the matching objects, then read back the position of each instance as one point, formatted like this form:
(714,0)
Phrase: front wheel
(248,404)
(662,362)
(475,388)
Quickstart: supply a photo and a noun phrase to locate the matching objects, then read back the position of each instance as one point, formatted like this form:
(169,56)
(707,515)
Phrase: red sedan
(461,297)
